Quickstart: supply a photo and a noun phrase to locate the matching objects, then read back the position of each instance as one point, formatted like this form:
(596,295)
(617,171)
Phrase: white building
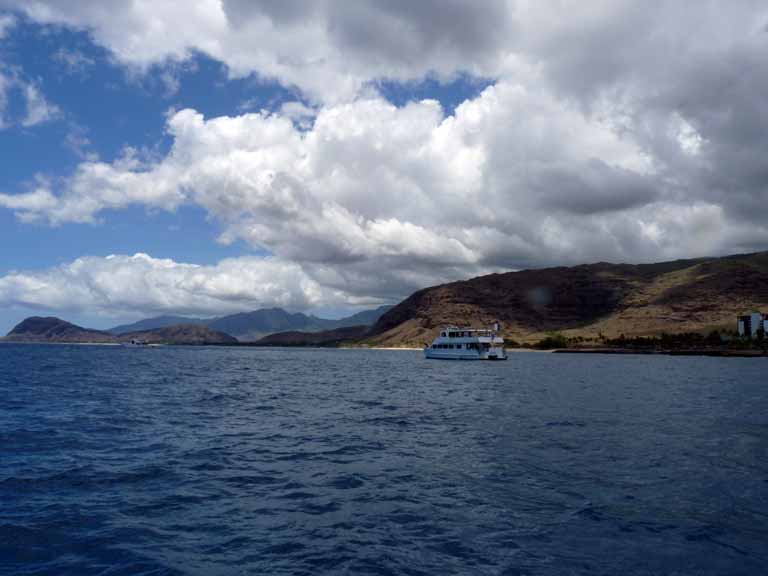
(749,324)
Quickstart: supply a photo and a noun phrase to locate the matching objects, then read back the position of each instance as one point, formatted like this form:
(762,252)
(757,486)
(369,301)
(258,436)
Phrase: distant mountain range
(157,322)
(244,327)
(55,330)
(251,326)
(580,301)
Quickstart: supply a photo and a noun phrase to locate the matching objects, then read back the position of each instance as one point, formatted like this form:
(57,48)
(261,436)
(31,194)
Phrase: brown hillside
(645,299)
(337,337)
(37,329)
(180,334)
(51,329)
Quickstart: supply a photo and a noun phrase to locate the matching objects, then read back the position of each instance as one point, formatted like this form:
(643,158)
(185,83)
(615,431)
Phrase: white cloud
(74,61)
(31,205)
(38,110)
(120,284)
(5,85)
(7,21)
(405,195)
(327,48)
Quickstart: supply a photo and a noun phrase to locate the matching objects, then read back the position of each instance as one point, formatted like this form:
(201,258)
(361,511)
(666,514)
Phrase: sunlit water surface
(272,461)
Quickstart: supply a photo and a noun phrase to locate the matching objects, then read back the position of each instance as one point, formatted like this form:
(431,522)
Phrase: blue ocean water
(223,461)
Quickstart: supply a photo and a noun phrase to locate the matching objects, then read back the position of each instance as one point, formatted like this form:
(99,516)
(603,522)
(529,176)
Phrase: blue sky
(216,156)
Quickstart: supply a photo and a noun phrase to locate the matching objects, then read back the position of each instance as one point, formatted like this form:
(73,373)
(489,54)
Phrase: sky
(207,157)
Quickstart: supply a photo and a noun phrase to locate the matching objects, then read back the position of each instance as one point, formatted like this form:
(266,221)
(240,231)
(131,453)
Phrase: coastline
(2,341)
(711,352)
(717,353)
(403,348)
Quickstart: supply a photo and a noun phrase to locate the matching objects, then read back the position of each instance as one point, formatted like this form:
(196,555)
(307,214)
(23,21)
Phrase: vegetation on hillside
(714,339)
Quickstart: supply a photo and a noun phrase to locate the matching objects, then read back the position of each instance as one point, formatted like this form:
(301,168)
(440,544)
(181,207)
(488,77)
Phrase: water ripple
(238,461)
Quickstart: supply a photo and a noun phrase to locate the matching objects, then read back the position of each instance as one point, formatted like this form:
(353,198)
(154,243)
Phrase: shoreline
(716,353)
(61,343)
(711,352)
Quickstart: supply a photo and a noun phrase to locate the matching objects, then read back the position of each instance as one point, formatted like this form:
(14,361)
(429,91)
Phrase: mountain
(156,322)
(248,326)
(55,330)
(50,329)
(587,300)
(251,326)
(191,334)
(364,318)
(580,301)
(335,337)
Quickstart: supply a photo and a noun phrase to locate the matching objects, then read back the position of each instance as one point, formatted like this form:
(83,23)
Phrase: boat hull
(432,354)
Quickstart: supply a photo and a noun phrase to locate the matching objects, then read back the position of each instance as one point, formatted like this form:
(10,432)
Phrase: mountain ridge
(586,301)
(256,324)
(50,329)
(155,322)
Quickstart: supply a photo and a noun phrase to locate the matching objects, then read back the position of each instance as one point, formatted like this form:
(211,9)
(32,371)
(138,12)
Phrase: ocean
(218,461)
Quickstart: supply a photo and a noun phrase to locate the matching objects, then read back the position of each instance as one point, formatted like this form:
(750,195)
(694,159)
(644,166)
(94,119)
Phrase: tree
(553,340)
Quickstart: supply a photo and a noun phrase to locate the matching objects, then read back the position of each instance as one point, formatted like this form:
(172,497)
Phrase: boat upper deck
(457,332)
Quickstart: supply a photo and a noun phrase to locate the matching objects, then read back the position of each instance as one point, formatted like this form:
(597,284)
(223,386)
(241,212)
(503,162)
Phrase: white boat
(455,343)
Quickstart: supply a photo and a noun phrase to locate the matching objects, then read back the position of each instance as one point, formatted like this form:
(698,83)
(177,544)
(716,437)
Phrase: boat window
(458,346)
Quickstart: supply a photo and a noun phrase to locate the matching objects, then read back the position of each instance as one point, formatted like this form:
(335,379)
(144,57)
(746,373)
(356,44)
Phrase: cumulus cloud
(407,196)
(120,284)
(328,48)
